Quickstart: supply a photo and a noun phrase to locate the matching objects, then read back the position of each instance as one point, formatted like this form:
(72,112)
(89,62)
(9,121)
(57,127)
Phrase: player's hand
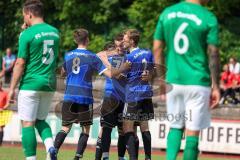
(145,76)
(215,98)
(121,77)
(11,95)
(127,65)
(24,26)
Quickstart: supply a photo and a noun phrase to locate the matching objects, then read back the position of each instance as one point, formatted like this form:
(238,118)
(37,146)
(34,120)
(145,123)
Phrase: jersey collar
(134,49)
(82,48)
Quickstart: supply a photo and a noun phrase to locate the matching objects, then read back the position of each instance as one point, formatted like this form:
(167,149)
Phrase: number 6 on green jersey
(181,36)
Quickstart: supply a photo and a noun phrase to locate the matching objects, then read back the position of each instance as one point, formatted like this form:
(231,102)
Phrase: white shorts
(33,105)
(188,107)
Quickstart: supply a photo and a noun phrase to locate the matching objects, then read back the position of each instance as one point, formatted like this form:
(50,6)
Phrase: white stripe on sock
(48,143)
(105,154)
(31,158)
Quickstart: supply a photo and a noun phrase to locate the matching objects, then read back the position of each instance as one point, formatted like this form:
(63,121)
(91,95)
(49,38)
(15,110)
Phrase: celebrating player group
(185,41)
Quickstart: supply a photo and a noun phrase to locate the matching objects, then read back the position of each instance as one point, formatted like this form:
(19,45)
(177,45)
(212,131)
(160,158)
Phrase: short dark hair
(119,37)
(34,6)
(80,36)
(133,35)
(109,46)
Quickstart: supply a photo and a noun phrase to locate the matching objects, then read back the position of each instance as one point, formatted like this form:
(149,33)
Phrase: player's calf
(61,135)
(191,148)
(121,146)
(106,141)
(98,154)
(45,133)
(82,141)
(146,137)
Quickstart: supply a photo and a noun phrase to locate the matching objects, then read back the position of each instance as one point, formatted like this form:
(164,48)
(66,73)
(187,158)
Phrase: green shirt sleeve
(23,46)
(212,36)
(158,35)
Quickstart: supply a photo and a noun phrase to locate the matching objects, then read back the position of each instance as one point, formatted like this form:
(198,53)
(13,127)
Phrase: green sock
(45,133)
(174,143)
(191,148)
(29,141)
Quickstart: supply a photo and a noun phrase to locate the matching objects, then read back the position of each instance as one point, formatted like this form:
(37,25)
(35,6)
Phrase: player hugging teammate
(120,91)
(114,56)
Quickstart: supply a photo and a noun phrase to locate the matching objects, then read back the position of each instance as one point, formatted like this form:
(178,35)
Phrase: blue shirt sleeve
(98,65)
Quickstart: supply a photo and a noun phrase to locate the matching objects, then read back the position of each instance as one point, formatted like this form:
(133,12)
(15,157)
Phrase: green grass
(15,153)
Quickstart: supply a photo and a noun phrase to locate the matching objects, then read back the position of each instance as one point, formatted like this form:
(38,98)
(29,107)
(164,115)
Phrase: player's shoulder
(25,33)
(51,27)
(145,51)
(211,16)
(139,52)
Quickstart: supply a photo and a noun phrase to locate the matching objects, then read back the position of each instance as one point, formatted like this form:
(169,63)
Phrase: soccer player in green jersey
(189,32)
(35,66)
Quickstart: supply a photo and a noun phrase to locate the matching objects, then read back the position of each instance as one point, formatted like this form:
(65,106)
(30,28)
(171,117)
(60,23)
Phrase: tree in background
(105,18)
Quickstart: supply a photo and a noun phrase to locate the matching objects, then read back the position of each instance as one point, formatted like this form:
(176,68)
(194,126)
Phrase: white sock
(48,143)
(105,154)
(31,158)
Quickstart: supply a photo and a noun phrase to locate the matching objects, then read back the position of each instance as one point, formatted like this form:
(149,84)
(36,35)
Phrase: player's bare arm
(214,66)
(158,48)
(116,72)
(158,52)
(104,58)
(63,72)
(17,74)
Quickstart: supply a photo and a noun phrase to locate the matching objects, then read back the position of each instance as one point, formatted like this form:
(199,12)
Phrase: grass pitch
(16,153)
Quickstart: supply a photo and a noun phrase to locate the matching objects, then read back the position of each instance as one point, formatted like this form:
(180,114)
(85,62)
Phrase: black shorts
(111,112)
(139,111)
(77,113)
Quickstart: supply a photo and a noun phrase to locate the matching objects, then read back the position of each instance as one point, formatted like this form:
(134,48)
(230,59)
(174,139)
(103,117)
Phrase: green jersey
(187,29)
(38,46)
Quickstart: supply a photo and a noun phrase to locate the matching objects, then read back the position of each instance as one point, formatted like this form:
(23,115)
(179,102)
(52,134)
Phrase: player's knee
(128,126)
(27,123)
(192,133)
(144,126)
(66,129)
(86,129)
(126,130)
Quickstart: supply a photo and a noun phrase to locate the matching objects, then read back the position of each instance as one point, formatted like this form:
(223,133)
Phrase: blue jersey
(80,65)
(115,87)
(136,89)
